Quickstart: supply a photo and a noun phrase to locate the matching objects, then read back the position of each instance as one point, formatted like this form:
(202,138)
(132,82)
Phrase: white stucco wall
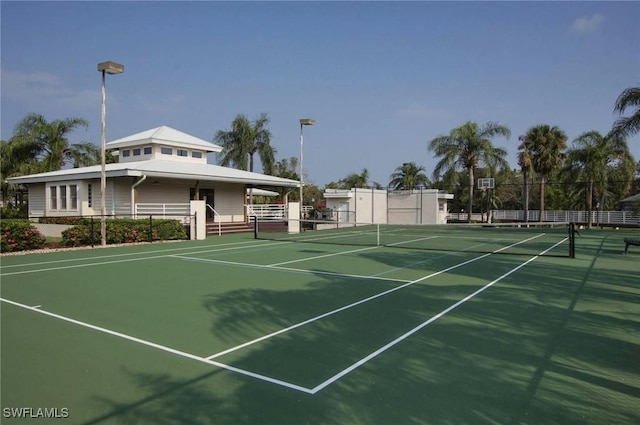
(428,206)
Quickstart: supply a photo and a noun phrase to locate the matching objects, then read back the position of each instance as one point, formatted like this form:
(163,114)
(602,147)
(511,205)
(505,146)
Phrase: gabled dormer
(163,143)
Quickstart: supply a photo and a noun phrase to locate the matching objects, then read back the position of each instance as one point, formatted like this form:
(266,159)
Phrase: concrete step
(239,227)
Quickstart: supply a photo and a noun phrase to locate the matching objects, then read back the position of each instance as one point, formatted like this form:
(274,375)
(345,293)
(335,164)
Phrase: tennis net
(551,239)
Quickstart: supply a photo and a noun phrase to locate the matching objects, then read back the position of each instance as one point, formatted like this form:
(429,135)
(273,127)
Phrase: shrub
(19,235)
(13,211)
(60,220)
(123,231)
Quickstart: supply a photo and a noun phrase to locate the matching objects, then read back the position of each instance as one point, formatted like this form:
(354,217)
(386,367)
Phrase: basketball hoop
(486,183)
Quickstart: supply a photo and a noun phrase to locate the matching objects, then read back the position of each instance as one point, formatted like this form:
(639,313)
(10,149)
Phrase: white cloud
(585,24)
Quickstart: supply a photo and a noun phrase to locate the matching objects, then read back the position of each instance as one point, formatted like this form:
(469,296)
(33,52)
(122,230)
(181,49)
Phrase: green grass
(554,341)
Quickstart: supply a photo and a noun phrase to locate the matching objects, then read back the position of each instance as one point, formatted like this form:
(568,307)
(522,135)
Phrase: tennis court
(499,329)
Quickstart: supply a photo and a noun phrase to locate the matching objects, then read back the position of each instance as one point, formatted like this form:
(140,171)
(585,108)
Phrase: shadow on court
(554,343)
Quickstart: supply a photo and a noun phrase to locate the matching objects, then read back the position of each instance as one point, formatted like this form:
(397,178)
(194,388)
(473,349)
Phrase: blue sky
(380,78)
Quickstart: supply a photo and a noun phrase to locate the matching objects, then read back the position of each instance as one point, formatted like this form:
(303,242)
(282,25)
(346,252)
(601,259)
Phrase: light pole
(105,68)
(303,122)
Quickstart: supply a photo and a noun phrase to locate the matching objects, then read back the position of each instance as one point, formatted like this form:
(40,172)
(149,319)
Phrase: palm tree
(355,180)
(466,147)
(47,142)
(245,139)
(86,154)
(287,168)
(408,176)
(15,160)
(524,161)
(628,126)
(544,144)
(592,158)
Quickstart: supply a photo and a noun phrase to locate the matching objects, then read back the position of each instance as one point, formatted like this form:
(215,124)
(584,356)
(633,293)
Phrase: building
(159,172)
(419,206)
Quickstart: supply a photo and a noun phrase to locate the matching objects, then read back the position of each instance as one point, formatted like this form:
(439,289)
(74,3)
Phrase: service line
(364,300)
(424,324)
(160,347)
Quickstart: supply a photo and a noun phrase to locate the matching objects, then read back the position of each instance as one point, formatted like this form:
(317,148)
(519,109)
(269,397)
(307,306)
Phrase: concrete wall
(427,206)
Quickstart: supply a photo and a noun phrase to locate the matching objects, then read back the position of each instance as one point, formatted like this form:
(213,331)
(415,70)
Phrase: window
(90,195)
(196,154)
(147,150)
(182,152)
(73,196)
(126,153)
(166,151)
(136,152)
(53,197)
(63,197)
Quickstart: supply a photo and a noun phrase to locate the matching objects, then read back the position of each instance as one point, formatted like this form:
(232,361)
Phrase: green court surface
(234,330)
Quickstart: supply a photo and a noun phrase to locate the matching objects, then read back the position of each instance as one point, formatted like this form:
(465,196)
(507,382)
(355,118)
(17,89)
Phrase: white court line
(326,383)
(342,235)
(299,260)
(284,269)
(161,347)
(424,324)
(126,260)
(347,252)
(131,254)
(428,259)
(348,306)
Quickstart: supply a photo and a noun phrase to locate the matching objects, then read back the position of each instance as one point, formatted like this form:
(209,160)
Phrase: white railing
(597,217)
(180,211)
(219,219)
(267,211)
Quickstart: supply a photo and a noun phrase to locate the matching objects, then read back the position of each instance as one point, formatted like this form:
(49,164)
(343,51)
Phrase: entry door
(343,212)
(206,195)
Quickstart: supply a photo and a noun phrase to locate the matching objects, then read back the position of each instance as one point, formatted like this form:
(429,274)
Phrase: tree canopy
(467,147)
(544,145)
(409,176)
(628,99)
(243,141)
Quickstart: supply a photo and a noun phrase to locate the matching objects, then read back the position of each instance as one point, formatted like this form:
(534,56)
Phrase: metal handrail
(219,219)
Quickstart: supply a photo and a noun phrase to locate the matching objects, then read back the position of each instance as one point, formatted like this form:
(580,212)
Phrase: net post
(572,240)
(91,231)
(254,218)
(378,234)
(150,227)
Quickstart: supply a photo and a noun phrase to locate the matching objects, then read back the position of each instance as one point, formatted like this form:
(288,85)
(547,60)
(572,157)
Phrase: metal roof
(164,136)
(634,198)
(159,168)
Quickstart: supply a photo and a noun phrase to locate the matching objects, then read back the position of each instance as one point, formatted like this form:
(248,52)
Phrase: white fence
(267,211)
(272,211)
(180,211)
(597,217)
(626,218)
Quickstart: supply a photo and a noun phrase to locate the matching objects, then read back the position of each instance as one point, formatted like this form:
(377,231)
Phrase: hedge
(19,235)
(10,211)
(123,230)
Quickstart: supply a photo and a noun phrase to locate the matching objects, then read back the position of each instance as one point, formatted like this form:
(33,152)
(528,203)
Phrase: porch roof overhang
(159,169)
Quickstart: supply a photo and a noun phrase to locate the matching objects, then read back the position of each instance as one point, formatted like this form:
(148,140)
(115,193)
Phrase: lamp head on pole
(110,67)
(307,121)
